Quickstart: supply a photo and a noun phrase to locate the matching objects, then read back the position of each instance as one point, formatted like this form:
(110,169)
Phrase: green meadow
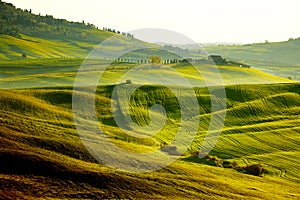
(41,150)
(42,155)
(277,58)
(27,73)
(43,66)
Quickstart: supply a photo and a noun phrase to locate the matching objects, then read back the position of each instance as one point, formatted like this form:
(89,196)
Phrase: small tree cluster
(118,32)
(171,150)
(253,169)
(156,59)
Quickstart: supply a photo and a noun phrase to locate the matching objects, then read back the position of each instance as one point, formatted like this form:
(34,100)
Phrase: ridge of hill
(17,22)
(276,58)
(27,35)
(24,34)
(274,52)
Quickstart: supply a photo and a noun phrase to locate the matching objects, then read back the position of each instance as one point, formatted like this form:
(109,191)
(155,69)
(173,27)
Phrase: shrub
(197,153)
(208,159)
(205,158)
(156,59)
(218,161)
(253,169)
(228,164)
(171,150)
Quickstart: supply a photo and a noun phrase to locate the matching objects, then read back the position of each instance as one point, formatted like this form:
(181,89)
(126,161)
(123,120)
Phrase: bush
(156,59)
(171,150)
(207,159)
(228,164)
(197,153)
(218,161)
(253,169)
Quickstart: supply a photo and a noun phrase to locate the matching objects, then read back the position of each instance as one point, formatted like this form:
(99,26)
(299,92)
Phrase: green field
(42,155)
(277,58)
(41,149)
(62,72)
(46,62)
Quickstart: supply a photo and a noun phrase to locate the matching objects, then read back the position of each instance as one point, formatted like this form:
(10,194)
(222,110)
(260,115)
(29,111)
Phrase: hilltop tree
(156,59)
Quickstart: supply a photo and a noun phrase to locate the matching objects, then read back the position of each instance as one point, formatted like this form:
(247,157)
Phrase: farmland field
(96,113)
(41,149)
(277,58)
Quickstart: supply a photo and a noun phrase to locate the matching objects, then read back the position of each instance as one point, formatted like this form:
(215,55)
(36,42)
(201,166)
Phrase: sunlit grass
(261,126)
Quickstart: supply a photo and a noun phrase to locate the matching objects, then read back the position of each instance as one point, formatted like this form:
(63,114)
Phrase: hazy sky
(242,21)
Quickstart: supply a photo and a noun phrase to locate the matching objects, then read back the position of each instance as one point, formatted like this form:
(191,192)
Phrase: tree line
(118,32)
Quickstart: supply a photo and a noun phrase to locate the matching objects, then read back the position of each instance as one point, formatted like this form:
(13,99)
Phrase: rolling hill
(43,156)
(24,34)
(274,52)
(30,73)
(27,35)
(277,58)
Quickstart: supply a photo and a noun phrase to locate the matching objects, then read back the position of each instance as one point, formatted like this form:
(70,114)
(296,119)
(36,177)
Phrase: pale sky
(244,21)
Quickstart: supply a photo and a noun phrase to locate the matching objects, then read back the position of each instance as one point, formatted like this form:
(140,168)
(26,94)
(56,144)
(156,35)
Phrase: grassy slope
(12,48)
(277,52)
(280,58)
(41,154)
(22,32)
(62,72)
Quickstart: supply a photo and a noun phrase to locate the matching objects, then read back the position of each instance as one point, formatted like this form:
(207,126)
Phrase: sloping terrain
(62,72)
(277,52)
(24,34)
(277,58)
(43,156)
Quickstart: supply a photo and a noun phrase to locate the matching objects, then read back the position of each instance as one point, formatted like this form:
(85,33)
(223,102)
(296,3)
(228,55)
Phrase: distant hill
(17,22)
(196,45)
(278,52)
(278,58)
(24,34)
